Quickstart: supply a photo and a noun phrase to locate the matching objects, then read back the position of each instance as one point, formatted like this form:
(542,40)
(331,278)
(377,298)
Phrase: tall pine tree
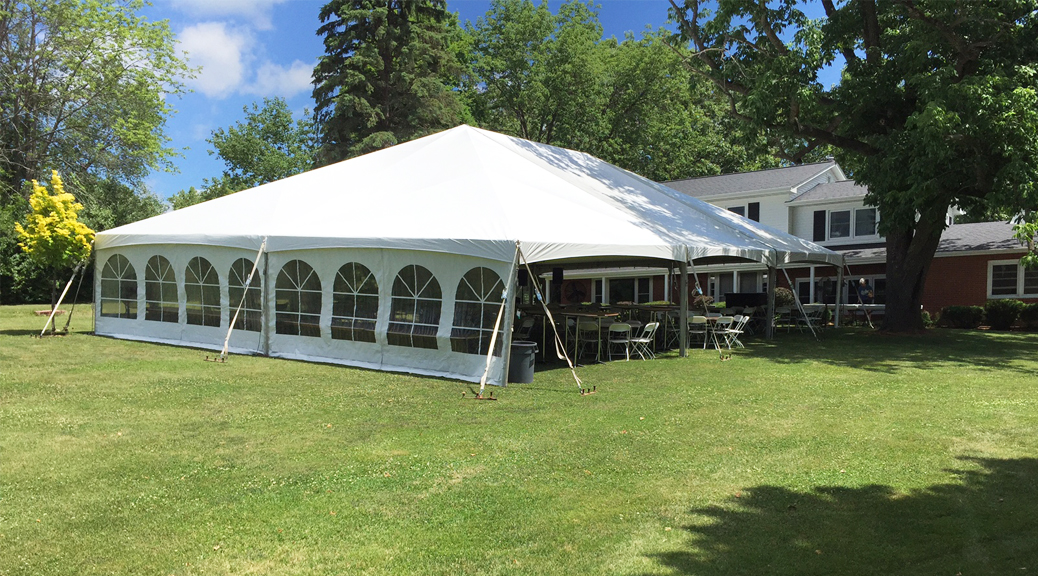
(387,75)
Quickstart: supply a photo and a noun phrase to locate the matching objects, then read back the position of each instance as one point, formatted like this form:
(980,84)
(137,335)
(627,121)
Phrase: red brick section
(960,281)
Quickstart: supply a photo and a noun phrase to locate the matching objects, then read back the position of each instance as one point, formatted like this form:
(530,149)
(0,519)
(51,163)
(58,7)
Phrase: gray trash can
(520,367)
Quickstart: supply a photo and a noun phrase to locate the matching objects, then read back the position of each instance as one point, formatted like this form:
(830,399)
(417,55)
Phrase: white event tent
(401,259)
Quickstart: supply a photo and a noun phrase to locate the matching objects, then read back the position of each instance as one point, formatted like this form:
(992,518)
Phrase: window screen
(298,300)
(160,291)
(118,288)
(476,305)
(415,310)
(354,304)
(1030,281)
(1003,279)
(202,291)
(250,317)
(840,224)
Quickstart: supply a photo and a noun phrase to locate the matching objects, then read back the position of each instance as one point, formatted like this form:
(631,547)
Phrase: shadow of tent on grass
(983,521)
(879,352)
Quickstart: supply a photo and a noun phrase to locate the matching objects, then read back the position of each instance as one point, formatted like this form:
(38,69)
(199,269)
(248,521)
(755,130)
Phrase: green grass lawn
(859,454)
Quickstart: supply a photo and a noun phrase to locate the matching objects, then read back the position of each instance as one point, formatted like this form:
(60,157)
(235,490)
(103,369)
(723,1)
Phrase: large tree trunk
(909,254)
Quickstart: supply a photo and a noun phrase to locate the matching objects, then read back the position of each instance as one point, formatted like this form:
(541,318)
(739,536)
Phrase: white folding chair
(720,328)
(620,335)
(642,344)
(588,335)
(525,328)
(736,329)
(699,327)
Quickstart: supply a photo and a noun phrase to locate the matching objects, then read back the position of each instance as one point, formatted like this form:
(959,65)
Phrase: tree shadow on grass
(983,521)
(880,352)
(19,332)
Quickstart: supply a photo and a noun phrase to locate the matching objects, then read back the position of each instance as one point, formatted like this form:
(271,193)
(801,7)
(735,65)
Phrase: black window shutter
(754,209)
(819,225)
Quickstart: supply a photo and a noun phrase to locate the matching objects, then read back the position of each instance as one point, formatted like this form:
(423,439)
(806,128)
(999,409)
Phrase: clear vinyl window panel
(354,304)
(202,293)
(297,293)
(476,305)
(250,317)
(161,303)
(414,316)
(118,288)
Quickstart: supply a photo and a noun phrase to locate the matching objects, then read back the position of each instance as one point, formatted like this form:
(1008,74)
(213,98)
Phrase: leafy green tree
(84,87)
(386,76)
(937,105)
(553,79)
(110,203)
(268,145)
(53,237)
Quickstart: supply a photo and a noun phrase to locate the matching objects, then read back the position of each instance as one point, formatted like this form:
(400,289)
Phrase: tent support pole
(800,305)
(504,313)
(769,325)
(265,294)
(839,293)
(683,306)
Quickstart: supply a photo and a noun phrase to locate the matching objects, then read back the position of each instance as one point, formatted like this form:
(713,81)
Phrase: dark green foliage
(1001,314)
(386,76)
(937,106)
(928,321)
(1029,316)
(552,78)
(962,316)
(268,145)
(784,298)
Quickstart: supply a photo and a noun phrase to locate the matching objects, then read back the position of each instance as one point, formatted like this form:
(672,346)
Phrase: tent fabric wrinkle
(449,202)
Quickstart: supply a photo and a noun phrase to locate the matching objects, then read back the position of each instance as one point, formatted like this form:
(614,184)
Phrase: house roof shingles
(775,178)
(841,190)
(975,237)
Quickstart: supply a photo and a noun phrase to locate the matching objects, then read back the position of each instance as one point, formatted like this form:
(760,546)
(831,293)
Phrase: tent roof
(473,192)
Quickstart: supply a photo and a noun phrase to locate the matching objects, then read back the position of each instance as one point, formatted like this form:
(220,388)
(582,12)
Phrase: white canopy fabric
(476,193)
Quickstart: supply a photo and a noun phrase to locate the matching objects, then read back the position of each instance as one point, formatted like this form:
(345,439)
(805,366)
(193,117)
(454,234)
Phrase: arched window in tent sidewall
(414,316)
(476,306)
(118,288)
(160,291)
(251,315)
(354,304)
(202,291)
(298,295)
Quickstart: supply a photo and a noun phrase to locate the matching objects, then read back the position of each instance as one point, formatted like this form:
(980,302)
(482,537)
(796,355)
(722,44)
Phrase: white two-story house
(974,262)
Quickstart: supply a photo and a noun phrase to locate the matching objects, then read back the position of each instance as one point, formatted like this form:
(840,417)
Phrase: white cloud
(256,11)
(276,80)
(223,54)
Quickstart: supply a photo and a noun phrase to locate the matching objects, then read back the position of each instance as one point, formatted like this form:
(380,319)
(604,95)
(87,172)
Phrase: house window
(643,291)
(414,316)
(621,290)
(297,292)
(740,210)
(865,222)
(599,295)
(250,317)
(118,288)
(840,224)
(1009,278)
(160,291)
(354,304)
(202,291)
(748,281)
(476,305)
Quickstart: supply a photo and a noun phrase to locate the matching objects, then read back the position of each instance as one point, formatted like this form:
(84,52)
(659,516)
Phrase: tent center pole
(683,307)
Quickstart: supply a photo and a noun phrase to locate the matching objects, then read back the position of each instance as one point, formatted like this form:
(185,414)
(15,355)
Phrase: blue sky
(251,49)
